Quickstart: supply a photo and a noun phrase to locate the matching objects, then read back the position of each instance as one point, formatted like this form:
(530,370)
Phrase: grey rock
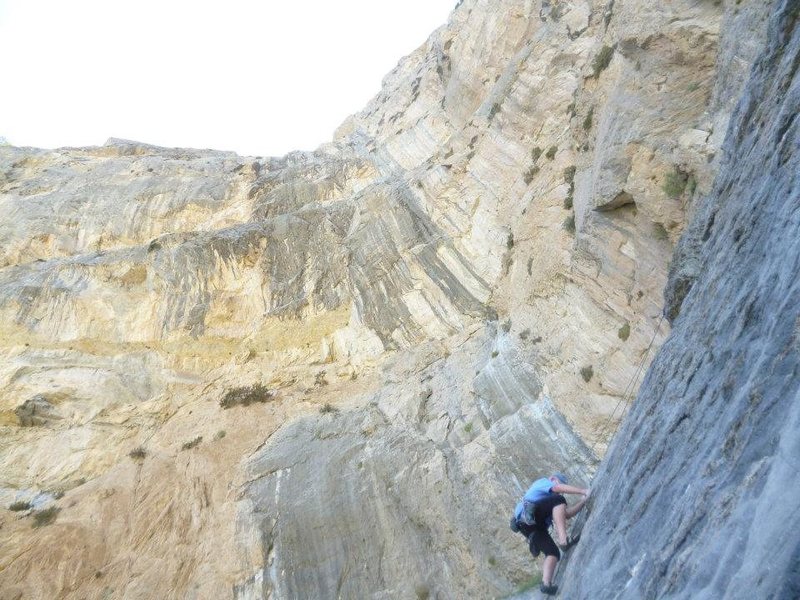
(698,496)
(36,411)
(372,503)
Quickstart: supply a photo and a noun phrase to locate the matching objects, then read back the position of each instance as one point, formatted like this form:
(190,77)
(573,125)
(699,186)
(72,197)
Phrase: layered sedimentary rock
(456,295)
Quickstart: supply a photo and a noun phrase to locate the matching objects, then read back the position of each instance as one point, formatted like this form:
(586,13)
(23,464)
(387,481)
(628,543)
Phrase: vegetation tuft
(328,408)
(675,183)
(551,152)
(569,224)
(192,443)
(624,332)
(20,506)
(660,232)
(569,174)
(46,516)
(138,453)
(245,396)
(602,60)
(530,174)
(587,373)
(587,122)
(691,185)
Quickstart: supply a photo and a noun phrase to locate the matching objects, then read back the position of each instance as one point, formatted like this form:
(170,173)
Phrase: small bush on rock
(587,122)
(138,453)
(691,185)
(20,506)
(675,183)
(192,443)
(245,396)
(587,373)
(530,174)
(46,516)
(660,232)
(602,60)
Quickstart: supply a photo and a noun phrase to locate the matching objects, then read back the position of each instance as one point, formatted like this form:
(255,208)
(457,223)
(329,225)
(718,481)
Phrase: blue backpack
(526,518)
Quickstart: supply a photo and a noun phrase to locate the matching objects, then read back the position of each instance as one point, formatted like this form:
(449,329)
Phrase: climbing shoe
(570,543)
(549,590)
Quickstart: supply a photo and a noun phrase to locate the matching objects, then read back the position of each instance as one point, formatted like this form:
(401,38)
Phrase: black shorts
(539,539)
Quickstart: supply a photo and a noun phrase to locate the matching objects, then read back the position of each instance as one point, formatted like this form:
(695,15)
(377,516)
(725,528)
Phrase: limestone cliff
(698,497)
(330,374)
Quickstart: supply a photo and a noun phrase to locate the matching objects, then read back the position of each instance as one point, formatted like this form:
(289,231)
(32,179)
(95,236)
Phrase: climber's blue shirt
(540,489)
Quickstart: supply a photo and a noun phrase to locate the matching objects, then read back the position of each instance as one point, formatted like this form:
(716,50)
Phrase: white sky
(258,77)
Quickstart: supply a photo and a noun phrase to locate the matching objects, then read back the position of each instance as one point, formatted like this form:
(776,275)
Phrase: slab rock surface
(331,374)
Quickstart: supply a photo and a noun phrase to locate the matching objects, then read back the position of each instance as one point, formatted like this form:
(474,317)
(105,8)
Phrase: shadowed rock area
(698,496)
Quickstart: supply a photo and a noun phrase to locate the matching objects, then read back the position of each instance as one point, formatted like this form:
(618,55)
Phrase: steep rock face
(438,301)
(698,495)
(559,146)
(402,496)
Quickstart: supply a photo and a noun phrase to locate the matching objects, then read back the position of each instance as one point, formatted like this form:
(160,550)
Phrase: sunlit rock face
(456,295)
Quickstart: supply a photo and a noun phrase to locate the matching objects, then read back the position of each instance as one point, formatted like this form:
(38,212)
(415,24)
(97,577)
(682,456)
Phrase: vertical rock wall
(698,496)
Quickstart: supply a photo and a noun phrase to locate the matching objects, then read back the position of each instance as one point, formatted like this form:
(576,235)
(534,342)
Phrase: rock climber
(542,507)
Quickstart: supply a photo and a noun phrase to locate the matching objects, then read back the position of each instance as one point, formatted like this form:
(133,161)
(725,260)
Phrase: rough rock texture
(698,496)
(456,295)
(403,497)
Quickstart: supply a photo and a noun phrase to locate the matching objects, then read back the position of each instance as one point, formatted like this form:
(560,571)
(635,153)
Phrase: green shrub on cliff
(587,122)
(46,516)
(602,60)
(192,443)
(675,183)
(245,396)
